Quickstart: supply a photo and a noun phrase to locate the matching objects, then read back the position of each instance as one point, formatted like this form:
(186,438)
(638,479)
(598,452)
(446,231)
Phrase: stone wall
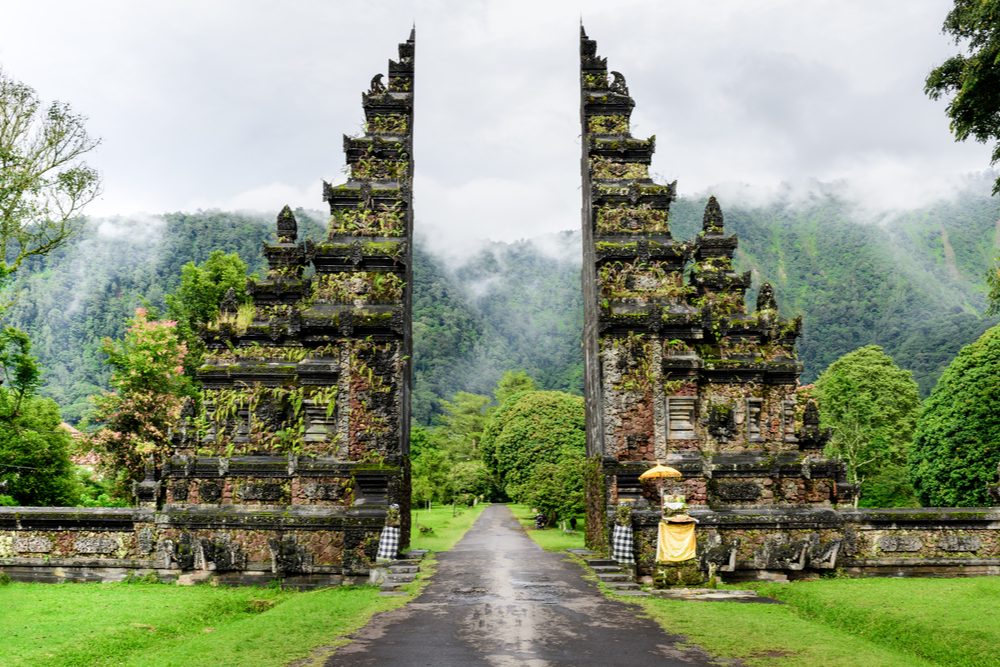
(302,546)
(777,543)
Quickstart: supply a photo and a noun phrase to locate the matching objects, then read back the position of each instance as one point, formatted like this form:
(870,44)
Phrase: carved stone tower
(676,369)
(307,388)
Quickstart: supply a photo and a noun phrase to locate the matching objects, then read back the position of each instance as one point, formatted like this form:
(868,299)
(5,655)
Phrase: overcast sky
(243,103)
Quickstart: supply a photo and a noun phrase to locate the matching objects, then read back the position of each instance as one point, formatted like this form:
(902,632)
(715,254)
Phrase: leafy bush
(872,406)
(150,385)
(954,458)
(534,428)
(35,468)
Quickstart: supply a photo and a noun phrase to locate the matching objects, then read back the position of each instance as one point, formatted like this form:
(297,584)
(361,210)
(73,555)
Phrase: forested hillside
(912,283)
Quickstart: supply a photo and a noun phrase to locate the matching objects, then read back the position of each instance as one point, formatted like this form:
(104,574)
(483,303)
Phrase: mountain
(912,282)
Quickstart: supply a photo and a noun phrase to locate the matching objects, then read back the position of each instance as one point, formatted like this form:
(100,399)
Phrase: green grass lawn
(550,539)
(847,622)
(448,525)
(152,625)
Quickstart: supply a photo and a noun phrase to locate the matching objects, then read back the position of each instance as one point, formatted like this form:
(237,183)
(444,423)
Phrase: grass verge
(550,539)
(847,622)
(447,525)
(153,625)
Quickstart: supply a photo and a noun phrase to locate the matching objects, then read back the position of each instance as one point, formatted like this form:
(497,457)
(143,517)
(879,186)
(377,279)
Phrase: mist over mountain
(912,282)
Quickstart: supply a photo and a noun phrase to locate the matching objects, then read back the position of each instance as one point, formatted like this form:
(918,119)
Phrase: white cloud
(242,104)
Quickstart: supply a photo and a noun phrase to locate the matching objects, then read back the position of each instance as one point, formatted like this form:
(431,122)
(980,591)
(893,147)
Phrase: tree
(196,300)
(35,468)
(556,489)
(149,388)
(44,182)
(512,383)
(872,406)
(529,429)
(956,451)
(993,285)
(974,78)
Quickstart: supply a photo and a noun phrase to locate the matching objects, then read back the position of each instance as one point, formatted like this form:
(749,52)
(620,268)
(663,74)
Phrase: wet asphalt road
(499,600)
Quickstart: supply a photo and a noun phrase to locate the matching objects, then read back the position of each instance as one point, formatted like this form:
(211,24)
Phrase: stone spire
(288,228)
(712,221)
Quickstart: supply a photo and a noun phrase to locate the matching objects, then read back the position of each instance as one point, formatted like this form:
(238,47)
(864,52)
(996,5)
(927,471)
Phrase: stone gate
(677,370)
(290,463)
(300,443)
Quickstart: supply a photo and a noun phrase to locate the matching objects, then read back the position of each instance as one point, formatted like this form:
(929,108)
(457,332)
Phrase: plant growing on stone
(385,220)
(604,168)
(149,386)
(359,288)
(622,280)
(592,81)
(379,168)
(625,219)
(387,124)
(617,124)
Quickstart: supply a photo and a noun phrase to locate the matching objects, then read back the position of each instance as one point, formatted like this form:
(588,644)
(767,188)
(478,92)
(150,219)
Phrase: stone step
(606,568)
(630,592)
(608,577)
(622,585)
(592,562)
(400,578)
(403,569)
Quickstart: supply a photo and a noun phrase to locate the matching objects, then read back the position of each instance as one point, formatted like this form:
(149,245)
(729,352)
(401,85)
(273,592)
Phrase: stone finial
(765,299)
(288,227)
(618,84)
(229,304)
(377,87)
(147,491)
(812,436)
(712,222)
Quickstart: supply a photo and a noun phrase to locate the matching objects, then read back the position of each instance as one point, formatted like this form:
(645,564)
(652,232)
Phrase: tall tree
(44,181)
(35,467)
(993,286)
(973,78)
(533,427)
(956,451)
(149,388)
(197,299)
(872,406)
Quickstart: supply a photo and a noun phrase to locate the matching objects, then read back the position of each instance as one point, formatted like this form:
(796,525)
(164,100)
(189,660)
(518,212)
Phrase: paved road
(499,600)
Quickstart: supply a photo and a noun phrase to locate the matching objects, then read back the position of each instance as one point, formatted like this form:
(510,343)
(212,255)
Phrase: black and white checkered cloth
(388,544)
(621,545)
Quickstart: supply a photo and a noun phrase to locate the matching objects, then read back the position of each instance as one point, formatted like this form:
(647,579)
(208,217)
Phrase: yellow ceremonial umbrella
(660,472)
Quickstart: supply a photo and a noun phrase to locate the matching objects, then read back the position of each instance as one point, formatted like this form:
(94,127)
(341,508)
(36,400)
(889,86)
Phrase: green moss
(617,124)
(388,124)
(604,168)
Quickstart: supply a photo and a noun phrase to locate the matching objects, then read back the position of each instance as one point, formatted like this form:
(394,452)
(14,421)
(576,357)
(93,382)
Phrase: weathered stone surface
(32,544)
(262,491)
(96,545)
(959,543)
(899,543)
(210,492)
(736,491)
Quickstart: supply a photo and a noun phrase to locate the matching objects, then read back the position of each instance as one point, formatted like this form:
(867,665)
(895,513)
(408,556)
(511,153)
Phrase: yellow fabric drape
(675,542)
